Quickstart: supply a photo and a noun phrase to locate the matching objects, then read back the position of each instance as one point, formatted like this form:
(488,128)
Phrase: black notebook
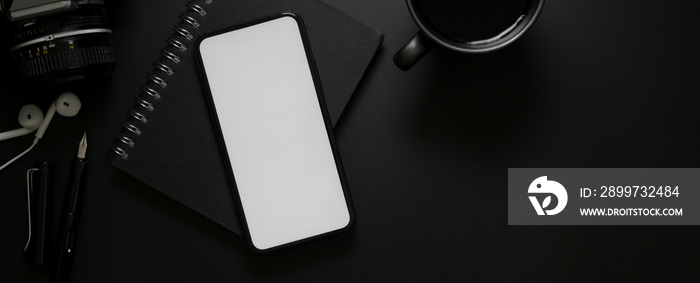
(168,141)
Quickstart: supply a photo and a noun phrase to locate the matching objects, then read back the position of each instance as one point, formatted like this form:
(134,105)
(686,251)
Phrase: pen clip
(38,213)
(30,188)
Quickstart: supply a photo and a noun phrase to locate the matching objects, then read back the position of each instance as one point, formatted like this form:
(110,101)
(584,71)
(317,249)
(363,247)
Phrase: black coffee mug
(467,26)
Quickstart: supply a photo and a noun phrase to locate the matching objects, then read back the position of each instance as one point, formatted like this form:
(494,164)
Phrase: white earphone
(67,104)
(30,118)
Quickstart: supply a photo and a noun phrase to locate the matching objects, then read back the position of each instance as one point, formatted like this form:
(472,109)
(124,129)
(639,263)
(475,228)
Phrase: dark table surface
(594,84)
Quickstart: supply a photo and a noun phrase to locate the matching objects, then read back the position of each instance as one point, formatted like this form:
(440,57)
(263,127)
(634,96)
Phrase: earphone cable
(20,155)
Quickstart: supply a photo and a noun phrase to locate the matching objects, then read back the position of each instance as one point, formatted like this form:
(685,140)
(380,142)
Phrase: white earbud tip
(30,116)
(68,104)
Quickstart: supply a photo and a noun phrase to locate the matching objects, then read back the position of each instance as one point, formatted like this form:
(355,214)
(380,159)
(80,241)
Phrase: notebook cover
(177,152)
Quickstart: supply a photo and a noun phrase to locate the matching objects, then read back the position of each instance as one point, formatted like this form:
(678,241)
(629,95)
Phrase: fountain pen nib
(82,147)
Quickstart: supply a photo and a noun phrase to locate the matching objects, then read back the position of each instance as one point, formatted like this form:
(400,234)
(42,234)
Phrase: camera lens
(64,47)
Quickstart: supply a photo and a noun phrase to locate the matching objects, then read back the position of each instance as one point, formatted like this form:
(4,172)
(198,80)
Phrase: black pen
(71,214)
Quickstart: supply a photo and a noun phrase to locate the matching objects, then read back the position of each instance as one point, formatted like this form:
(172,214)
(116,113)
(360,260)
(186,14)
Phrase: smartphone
(275,133)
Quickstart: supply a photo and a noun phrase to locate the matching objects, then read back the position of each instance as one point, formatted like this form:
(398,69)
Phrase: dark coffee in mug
(472,20)
(466,26)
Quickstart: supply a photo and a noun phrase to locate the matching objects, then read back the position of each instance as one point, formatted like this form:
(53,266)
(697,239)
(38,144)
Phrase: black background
(593,84)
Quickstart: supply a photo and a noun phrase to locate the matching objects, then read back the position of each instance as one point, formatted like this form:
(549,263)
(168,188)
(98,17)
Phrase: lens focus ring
(66,60)
(64,47)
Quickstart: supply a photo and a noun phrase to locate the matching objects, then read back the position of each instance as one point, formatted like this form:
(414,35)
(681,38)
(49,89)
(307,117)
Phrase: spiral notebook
(168,141)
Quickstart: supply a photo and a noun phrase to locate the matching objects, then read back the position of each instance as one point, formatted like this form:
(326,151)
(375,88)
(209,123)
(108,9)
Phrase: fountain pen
(71,214)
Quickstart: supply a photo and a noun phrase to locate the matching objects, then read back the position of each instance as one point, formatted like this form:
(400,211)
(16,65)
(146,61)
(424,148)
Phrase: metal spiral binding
(169,55)
(119,151)
(180,40)
(145,104)
(157,80)
(177,44)
(185,33)
(138,116)
(189,20)
(126,140)
(132,128)
(198,9)
(163,68)
(151,92)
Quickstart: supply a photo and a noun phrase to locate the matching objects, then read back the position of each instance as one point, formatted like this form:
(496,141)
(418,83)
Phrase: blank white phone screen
(274,131)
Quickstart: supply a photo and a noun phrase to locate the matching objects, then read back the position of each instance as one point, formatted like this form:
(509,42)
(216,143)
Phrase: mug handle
(413,51)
